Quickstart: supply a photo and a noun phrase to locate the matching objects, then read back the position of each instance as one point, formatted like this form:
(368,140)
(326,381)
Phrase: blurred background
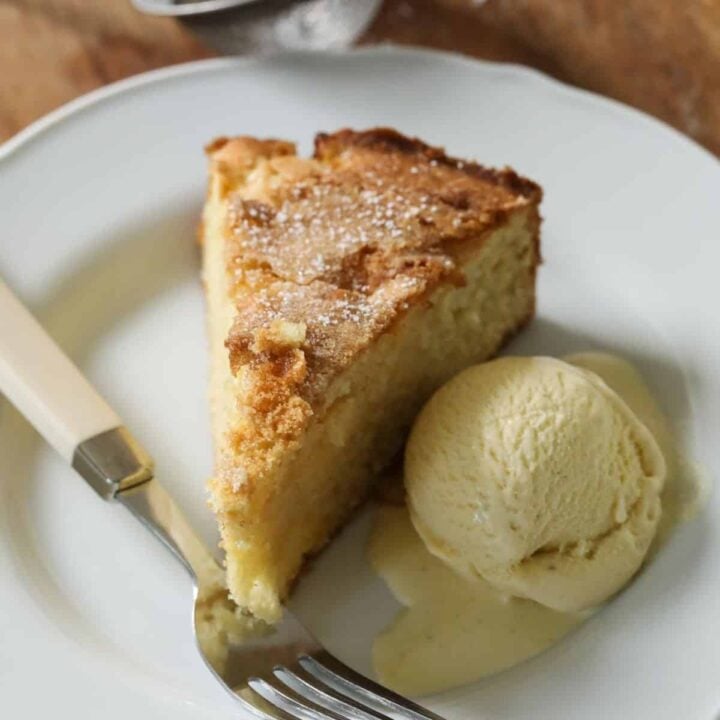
(662,56)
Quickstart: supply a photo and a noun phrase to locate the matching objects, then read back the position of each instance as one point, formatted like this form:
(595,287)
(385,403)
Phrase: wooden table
(661,55)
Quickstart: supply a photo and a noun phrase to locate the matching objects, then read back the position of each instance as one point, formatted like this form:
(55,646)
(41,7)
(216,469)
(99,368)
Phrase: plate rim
(72,108)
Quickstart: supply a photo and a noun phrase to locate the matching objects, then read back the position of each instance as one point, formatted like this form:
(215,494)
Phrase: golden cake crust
(324,254)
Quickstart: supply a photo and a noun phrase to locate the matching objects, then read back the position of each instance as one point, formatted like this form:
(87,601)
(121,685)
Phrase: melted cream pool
(454,632)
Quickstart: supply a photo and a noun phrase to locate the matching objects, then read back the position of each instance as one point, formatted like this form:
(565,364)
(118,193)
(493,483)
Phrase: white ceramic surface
(99,203)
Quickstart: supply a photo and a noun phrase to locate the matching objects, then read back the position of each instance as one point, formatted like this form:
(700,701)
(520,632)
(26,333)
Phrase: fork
(279,673)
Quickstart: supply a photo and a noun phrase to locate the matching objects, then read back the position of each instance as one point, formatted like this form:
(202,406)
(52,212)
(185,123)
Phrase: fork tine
(258,707)
(289,701)
(332,672)
(307,684)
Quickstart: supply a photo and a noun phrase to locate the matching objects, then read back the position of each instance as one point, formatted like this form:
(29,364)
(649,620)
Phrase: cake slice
(343,289)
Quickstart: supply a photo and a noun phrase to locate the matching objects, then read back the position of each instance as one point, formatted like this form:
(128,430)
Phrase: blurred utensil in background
(259,26)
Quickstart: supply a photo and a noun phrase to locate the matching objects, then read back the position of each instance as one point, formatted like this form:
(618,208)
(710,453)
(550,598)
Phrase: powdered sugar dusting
(344,246)
(310,232)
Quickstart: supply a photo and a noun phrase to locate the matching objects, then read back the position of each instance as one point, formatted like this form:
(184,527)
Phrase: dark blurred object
(271,25)
(186,8)
(660,55)
(260,26)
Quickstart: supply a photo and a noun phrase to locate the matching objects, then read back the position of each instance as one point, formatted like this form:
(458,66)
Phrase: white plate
(99,204)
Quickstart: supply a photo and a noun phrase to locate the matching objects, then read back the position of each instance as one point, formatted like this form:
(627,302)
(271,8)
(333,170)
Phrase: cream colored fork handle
(45,386)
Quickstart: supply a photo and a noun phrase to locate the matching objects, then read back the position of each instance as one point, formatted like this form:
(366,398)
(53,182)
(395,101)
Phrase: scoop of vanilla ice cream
(534,475)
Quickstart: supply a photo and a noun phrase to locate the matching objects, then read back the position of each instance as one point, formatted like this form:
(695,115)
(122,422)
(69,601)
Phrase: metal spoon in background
(238,27)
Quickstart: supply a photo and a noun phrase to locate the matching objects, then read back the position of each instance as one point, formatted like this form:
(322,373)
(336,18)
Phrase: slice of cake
(343,289)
